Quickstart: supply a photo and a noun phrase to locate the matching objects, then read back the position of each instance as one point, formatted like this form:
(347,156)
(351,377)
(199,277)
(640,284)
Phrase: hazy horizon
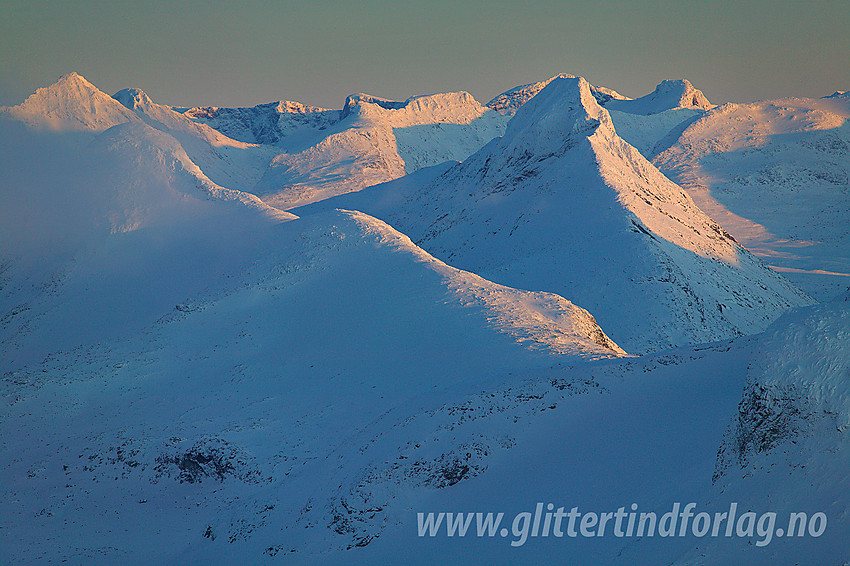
(189,54)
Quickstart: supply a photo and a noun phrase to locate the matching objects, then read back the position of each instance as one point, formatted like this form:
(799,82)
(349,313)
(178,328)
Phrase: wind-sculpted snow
(775,175)
(562,203)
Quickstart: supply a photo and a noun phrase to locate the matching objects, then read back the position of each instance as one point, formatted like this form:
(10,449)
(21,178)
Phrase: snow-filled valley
(285,334)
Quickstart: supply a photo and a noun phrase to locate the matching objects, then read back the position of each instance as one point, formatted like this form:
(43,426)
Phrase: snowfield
(278,334)
(775,175)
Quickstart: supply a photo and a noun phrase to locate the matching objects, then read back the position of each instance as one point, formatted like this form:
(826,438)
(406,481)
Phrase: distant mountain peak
(840,94)
(264,123)
(360,98)
(445,100)
(566,105)
(74,78)
(668,95)
(510,101)
(684,92)
(133,98)
(72,84)
(71,103)
(288,106)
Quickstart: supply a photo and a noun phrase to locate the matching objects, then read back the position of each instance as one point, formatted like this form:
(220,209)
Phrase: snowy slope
(228,162)
(235,413)
(562,203)
(775,175)
(376,141)
(188,346)
(129,179)
(651,439)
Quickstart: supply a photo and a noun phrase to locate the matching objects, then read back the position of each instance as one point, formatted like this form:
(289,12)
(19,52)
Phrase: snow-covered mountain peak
(669,94)
(74,80)
(510,101)
(71,103)
(456,107)
(354,102)
(133,98)
(560,114)
(72,87)
(684,93)
(449,107)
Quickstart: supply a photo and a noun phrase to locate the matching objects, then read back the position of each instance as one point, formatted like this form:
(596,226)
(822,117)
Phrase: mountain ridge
(561,190)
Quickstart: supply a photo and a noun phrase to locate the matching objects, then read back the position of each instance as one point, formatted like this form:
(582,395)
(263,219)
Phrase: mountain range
(278,333)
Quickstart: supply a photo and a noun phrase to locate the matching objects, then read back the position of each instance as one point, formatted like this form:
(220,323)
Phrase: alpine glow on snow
(564,326)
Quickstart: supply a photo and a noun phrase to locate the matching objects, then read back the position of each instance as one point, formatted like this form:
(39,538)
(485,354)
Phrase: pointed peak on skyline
(511,100)
(564,111)
(71,103)
(72,78)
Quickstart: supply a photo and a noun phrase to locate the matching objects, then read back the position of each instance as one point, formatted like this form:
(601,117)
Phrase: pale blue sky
(225,54)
